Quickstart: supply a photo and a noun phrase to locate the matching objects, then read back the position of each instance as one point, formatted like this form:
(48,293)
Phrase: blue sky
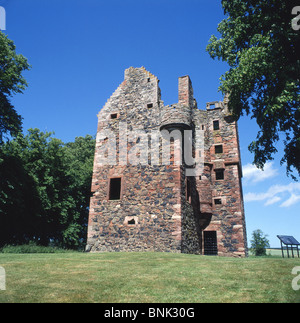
(79,50)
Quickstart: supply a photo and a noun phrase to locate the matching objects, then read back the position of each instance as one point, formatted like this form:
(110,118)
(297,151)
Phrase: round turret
(176,117)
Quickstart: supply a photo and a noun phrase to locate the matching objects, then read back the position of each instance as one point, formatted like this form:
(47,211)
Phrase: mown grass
(32,247)
(145,278)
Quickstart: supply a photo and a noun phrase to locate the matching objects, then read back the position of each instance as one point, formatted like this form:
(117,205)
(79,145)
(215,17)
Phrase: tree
(18,200)
(45,189)
(262,51)
(31,198)
(79,156)
(11,82)
(259,243)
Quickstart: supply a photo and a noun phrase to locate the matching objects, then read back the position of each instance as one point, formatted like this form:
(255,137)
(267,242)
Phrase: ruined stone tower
(143,201)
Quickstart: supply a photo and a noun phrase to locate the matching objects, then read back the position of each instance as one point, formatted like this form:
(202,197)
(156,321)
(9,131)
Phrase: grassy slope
(146,278)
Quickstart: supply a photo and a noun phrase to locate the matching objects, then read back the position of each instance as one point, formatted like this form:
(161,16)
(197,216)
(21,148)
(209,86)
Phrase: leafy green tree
(259,243)
(262,50)
(45,189)
(34,198)
(18,200)
(79,156)
(11,82)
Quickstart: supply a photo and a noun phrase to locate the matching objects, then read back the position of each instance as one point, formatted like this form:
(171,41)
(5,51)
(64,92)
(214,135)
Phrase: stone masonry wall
(151,195)
(160,209)
(227,218)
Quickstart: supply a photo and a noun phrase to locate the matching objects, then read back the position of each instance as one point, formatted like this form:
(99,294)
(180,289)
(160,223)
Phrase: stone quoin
(151,204)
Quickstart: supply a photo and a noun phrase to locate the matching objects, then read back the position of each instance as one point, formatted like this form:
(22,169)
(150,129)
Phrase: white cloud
(276,193)
(252,174)
(291,201)
(250,197)
(273,200)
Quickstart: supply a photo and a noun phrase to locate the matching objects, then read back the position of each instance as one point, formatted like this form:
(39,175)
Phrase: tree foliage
(45,189)
(259,243)
(262,50)
(11,82)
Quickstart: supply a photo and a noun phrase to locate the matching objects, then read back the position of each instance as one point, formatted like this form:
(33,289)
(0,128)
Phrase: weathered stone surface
(159,208)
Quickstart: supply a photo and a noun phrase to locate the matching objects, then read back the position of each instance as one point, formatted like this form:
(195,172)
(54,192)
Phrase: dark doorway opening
(210,243)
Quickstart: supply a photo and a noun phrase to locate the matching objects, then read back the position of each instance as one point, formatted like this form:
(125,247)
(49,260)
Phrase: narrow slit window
(188,191)
(219,149)
(115,189)
(216,125)
(114,116)
(219,174)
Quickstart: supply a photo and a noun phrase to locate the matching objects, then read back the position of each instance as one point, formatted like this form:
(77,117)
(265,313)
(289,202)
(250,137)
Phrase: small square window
(219,149)
(219,174)
(114,116)
(216,125)
(150,105)
(218,201)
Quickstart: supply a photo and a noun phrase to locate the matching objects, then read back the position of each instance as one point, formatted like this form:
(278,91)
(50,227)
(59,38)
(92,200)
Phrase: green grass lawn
(146,278)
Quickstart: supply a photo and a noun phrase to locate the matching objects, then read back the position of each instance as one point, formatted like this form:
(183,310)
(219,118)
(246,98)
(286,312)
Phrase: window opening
(218,201)
(188,190)
(216,125)
(219,174)
(114,116)
(219,149)
(115,189)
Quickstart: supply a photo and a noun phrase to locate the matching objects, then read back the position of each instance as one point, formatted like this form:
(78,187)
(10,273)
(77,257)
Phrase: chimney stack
(185,92)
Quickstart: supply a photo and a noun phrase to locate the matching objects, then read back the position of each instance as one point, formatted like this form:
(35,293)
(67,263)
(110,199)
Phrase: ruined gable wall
(151,194)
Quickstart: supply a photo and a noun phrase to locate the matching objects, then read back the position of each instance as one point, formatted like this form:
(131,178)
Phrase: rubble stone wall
(160,208)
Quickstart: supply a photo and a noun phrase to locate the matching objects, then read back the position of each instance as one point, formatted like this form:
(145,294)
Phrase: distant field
(275,252)
(146,278)
(278,253)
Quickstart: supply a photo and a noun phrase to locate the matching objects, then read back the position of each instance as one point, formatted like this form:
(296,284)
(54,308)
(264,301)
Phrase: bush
(31,247)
